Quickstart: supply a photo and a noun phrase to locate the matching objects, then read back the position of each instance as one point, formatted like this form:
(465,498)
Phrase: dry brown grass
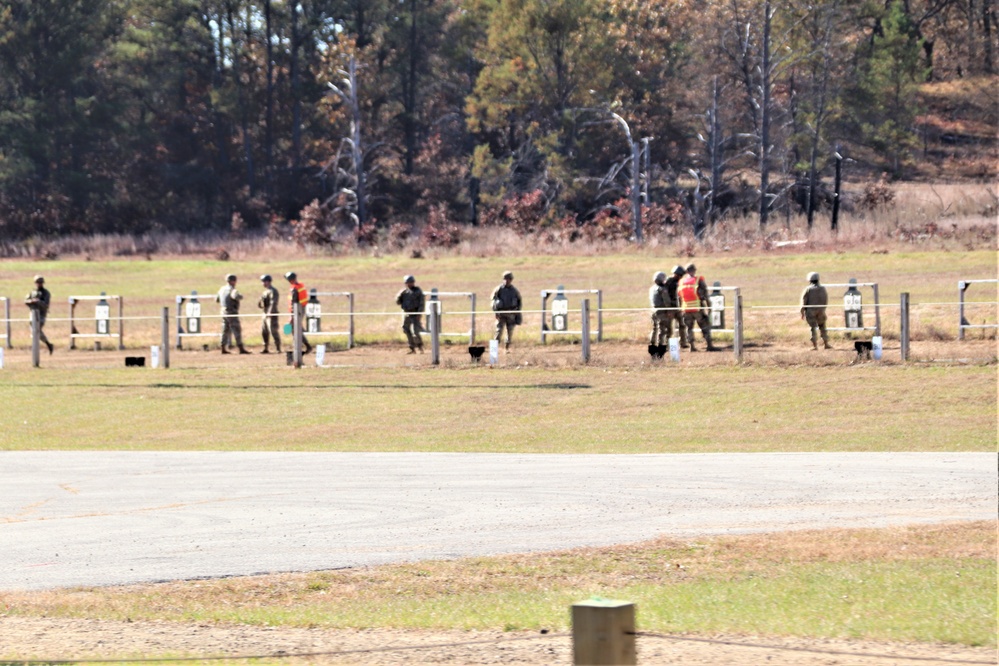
(923,216)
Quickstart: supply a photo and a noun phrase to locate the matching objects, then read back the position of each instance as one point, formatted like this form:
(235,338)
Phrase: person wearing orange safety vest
(300,295)
(694,296)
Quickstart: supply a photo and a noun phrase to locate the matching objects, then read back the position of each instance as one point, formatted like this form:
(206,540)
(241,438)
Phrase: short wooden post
(350,332)
(603,632)
(36,356)
(296,333)
(6,316)
(435,334)
(165,339)
(585,319)
(121,323)
(737,327)
(904,328)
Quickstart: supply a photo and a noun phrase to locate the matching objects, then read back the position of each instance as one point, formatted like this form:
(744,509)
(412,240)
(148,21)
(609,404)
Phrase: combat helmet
(678,270)
(659,277)
(290,275)
(813,277)
(408,279)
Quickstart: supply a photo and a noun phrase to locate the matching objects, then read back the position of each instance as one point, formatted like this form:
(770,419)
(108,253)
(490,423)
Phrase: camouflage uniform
(506,304)
(814,300)
(674,315)
(270,326)
(229,298)
(412,302)
(657,299)
(39,300)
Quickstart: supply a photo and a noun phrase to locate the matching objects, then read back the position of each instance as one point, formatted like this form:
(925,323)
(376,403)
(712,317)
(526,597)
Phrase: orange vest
(688,294)
(303,295)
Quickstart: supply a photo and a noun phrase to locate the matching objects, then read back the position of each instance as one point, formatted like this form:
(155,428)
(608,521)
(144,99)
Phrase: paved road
(86,518)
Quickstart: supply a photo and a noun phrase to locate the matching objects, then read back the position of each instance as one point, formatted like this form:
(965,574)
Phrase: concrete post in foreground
(165,339)
(603,632)
(585,319)
(904,328)
(36,357)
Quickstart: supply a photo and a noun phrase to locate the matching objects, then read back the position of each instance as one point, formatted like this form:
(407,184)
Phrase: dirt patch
(62,639)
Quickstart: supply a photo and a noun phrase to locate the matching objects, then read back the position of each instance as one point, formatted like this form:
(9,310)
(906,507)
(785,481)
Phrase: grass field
(928,583)
(771,282)
(920,584)
(522,409)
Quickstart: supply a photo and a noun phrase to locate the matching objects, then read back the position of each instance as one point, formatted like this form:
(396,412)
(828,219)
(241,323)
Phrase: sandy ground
(62,639)
(607,354)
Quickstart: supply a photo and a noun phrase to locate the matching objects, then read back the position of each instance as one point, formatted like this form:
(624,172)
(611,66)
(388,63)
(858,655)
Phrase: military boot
(225,351)
(711,347)
(244,350)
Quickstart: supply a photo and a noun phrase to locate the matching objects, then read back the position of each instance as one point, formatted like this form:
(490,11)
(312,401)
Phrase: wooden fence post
(603,632)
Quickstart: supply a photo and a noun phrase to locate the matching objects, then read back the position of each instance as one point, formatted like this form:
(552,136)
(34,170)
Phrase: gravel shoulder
(52,639)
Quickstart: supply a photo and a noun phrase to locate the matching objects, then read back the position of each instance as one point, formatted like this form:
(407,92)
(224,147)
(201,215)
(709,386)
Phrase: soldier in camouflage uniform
(412,302)
(657,299)
(506,304)
(813,309)
(269,304)
(673,315)
(39,300)
(228,298)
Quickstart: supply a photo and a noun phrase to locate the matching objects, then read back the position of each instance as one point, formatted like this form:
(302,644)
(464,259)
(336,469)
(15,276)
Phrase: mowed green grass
(514,409)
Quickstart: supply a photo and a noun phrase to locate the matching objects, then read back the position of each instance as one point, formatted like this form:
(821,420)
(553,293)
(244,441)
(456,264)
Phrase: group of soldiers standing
(681,299)
(229,299)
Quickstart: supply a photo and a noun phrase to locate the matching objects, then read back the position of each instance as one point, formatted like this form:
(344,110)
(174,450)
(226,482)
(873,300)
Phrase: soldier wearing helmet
(694,296)
(412,302)
(813,310)
(657,300)
(673,313)
(506,304)
(269,325)
(39,300)
(228,299)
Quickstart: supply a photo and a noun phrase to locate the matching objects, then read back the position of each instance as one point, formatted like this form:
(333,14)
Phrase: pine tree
(885,96)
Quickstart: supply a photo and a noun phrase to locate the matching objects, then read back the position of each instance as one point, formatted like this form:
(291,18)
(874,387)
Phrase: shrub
(878,195)
(312,226)
(439,231)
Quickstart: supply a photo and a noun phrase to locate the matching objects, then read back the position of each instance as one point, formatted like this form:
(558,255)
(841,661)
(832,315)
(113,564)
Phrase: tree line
(387,116)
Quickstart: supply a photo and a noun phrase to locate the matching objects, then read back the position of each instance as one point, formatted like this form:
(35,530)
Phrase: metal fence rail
(962,322)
